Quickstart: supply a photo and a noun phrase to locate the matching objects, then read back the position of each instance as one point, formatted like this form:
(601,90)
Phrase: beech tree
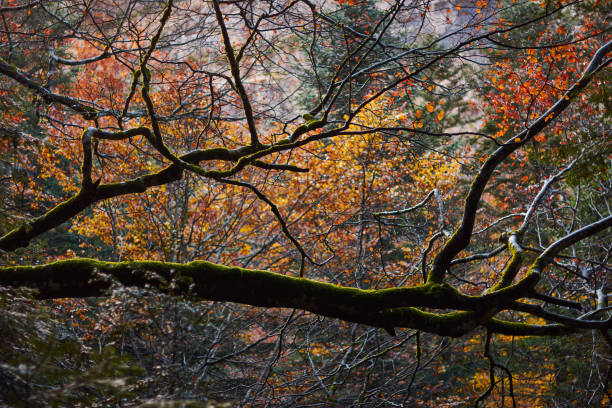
(447,172)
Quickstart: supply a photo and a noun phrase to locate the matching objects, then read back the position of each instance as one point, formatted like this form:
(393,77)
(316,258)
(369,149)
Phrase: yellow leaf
(430,107)
(418,113)
(441,114)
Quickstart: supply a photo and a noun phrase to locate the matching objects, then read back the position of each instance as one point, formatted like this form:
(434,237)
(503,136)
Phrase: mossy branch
(243,156)
(387,308)
(384,308)
(512,268)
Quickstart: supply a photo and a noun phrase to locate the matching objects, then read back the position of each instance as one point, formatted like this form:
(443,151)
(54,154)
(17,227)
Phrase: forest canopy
(305,203)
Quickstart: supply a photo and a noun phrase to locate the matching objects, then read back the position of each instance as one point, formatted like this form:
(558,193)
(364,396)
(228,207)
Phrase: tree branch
(461,238)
